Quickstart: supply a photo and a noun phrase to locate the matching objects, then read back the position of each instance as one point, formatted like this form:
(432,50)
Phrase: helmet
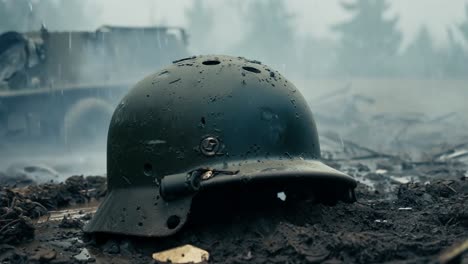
(201,123)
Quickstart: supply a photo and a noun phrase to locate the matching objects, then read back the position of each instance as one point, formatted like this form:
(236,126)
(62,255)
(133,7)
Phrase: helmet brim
(142,212)
(288,170)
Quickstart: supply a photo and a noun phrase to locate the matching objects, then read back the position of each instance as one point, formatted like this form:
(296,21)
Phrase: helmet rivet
(209,146)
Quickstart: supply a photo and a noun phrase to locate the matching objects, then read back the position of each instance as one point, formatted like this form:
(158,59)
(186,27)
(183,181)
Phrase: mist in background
(389,75)
(352,38)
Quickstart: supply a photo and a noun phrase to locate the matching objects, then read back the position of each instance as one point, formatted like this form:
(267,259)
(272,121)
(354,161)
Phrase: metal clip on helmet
(206,122)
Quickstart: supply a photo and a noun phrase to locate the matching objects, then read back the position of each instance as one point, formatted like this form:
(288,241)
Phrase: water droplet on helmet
(174,81)
(164,74)
(268,114)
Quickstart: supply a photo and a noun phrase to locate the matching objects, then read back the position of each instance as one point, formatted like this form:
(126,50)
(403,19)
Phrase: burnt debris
(393,220)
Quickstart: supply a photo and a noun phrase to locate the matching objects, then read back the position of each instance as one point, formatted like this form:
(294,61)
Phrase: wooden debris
(454,253)
(182,254)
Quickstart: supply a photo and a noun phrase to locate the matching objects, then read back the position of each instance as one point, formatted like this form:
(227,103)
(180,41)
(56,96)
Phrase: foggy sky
(314,71)
(312,16)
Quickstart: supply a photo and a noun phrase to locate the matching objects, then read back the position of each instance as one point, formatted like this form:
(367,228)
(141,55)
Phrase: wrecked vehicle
(51,82)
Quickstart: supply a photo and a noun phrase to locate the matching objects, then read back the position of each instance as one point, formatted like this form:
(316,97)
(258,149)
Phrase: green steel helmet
(204,123)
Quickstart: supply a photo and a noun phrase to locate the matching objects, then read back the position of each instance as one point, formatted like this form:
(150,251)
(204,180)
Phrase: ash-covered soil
(19,206)
(412,213)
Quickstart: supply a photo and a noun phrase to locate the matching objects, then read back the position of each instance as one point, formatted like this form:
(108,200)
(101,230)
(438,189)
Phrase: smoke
(371,74)
(412,83)
(29,15)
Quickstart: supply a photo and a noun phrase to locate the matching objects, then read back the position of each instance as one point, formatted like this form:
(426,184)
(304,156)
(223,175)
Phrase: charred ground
(406,212)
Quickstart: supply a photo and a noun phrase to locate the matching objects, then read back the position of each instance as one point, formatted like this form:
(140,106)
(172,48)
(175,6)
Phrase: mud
(413,228)
(75,190)
(20,206)
(16,212)
(409,222)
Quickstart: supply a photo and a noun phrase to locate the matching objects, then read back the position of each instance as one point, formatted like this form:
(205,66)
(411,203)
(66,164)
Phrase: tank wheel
(86,123)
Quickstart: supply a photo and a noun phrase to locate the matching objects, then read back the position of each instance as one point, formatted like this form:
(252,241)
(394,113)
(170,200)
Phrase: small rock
(127,248)
(385,165)
(87,217)
(182,254)
(44,255)
(248,256)
(9,254)
(374,176)
(70,223)
(362,168)
(406,166)
(50,255)
(405,208)
(111,247)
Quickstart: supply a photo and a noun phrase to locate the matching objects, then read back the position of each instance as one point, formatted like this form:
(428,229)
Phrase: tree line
(369,43)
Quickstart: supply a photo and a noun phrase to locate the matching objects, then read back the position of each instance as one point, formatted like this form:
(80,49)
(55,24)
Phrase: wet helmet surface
(201,123)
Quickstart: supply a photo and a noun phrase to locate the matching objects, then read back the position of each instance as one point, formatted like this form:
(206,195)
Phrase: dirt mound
(413,223)
(19,206)
(75,190)
(16,212)
(14,180)
(416,227)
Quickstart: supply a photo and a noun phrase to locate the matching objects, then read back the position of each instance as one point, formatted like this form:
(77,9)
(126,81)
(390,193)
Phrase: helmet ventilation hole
(251,69)
(148,169)
(173,221)
(211,62)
